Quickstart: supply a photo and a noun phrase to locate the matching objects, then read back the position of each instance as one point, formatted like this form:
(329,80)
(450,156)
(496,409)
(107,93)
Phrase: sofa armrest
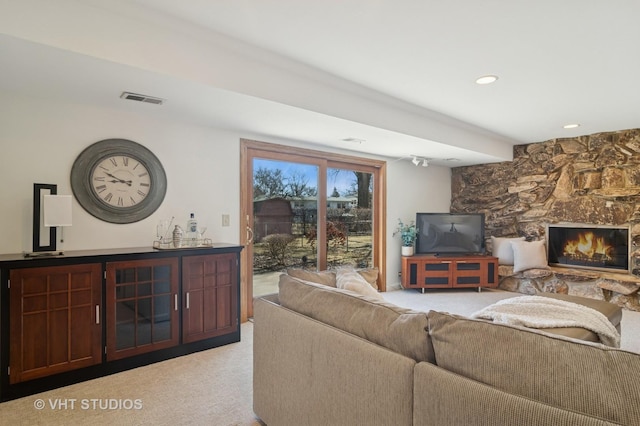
(272,297)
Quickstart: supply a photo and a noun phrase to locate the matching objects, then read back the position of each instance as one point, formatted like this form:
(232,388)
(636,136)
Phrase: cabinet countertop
(70,254)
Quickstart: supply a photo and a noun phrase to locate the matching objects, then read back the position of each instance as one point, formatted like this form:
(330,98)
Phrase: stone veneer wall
(592,179)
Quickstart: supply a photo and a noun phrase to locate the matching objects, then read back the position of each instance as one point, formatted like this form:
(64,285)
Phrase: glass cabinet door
(142,306)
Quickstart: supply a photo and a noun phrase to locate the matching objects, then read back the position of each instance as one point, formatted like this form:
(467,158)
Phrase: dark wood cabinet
(85,314)
(142,306)
(210,302)
(427,271)
(55,320)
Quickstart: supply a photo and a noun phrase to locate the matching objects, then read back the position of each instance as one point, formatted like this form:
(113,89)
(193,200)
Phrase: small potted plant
(408,233)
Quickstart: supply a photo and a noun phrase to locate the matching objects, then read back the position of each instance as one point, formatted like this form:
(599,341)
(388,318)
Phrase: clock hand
(112,176)
(128,182)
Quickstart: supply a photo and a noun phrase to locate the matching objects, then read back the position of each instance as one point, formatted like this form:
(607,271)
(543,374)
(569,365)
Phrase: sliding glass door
(306,209)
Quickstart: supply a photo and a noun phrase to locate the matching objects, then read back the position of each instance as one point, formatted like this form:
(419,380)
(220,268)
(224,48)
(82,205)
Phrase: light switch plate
(225,220)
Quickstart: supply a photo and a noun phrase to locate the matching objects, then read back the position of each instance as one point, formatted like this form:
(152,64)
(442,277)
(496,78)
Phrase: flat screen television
(450,233)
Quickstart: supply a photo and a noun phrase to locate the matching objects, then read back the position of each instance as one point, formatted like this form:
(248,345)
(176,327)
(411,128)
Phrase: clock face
(118,181)
(121,181)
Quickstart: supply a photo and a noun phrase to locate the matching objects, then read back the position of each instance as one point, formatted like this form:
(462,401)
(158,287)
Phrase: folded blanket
(544,312)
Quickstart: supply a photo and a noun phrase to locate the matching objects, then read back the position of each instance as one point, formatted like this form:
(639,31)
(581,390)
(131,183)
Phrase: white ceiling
(558,62)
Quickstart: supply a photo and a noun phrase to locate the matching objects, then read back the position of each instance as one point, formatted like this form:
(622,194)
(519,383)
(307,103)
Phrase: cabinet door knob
(175,302)
(97,314)
(187,300)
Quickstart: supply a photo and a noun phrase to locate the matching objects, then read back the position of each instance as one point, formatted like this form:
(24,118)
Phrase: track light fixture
(418,160)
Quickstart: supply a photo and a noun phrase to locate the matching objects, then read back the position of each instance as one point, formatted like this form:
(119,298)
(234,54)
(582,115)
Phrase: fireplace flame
(589,246)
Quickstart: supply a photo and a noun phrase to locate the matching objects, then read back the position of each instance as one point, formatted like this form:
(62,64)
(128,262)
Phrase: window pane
(125,275)
(349,218)
(285,209)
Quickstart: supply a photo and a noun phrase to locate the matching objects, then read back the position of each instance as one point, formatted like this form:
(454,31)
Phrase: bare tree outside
(297,186)
(268,183)
(364,189)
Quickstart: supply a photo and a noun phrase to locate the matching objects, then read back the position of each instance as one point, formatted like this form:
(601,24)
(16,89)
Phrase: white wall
(412,189)
(40,140)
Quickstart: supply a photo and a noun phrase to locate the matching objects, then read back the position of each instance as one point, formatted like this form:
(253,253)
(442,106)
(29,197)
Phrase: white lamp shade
(57,210)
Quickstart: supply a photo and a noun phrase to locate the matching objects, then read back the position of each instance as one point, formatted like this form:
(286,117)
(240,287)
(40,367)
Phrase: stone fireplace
(592,179)
(594,247)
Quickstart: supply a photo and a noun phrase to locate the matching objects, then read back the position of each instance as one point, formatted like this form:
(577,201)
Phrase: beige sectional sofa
(326,356)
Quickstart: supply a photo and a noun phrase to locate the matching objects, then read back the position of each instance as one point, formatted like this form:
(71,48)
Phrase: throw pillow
(329,277)
(501,248)
(529,255)
(370,275)
(350,279)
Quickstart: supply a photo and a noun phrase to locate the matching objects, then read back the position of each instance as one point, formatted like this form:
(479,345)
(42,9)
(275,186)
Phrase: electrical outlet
(225,220)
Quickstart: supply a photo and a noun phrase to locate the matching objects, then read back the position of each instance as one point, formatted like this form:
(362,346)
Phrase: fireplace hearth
(589,246)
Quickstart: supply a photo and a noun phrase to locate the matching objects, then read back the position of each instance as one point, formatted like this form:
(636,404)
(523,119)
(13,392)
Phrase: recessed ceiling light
(571,126)
(487,79)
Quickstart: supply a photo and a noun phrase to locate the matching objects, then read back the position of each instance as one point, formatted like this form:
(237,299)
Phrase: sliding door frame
(250,149)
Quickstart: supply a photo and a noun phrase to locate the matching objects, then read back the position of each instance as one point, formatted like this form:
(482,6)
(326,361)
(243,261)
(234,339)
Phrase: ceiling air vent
(141,98)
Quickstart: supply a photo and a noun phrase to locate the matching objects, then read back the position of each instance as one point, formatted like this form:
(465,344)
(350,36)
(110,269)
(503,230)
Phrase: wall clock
(118,181)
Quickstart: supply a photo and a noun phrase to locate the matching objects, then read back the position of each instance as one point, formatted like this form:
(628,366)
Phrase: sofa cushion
(399,329)
(349,279)
(445,398)
(540,366)
(609,310)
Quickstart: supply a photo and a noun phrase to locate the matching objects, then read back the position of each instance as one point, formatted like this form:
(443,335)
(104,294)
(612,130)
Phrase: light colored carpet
(214,387)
